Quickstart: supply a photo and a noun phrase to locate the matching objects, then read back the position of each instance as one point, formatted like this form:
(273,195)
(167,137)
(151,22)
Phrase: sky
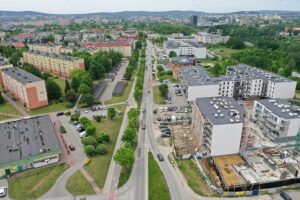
(89,6)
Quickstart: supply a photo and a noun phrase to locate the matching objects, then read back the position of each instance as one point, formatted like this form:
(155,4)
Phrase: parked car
(80,129)
(285,196)
(71,147)
(82,134)
(166,129)
(165,135)
(160,157)
(75,123)
(60,114)
(164,123)
(166,109)
(162,126)
(166,132)
(154,111)
(3,191)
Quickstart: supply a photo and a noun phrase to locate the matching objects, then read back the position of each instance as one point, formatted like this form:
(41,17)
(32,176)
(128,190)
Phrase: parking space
(177,97)
(94,111)
(3,185)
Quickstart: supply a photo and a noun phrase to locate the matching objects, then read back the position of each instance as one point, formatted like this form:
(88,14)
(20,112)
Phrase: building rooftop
(25,138)
(183,59)
(20,75)
(57,56)
(173,44)
(195,75)
(253,72)
(221,110)
(281,108)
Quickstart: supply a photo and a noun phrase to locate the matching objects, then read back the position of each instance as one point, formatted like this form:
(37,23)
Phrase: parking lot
(177,100)
(3,183)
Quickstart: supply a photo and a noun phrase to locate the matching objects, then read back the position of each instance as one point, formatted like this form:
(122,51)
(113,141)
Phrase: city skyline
(94,6)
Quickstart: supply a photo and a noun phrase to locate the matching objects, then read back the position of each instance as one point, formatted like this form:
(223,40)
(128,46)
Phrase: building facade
(124,48)
(27,88)
(218,122)
(54,49)
(59,65)
(187,48)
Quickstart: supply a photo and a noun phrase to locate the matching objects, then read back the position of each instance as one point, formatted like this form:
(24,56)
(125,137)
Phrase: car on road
(144,126)
(160,157)
(285,196)
(144,110)
(60,114)
(71,147)
(3,191)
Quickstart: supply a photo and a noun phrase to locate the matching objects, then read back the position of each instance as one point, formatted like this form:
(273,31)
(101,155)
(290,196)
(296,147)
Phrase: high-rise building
(194,20)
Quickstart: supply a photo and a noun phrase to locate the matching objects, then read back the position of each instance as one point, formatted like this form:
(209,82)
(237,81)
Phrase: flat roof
(173,44)
(52,55)
(21,75)
(281,108)
(225,165)
(221,110)
(25,138)
(196,75)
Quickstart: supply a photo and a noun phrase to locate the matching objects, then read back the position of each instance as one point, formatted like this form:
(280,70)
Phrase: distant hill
(140,13)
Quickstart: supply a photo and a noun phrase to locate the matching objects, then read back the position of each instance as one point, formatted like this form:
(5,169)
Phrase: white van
(82,134)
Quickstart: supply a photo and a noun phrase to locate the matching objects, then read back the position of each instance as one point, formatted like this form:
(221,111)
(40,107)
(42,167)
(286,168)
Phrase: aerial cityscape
(149,100)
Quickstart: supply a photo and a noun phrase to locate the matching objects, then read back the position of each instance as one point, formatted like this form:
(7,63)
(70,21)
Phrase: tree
(75,82)
(84,89)
(71,96)
(53,90)
(89,140)
(14,59)
(129,136)
(101,149)
(98,118)
(90,150)
(102,137)
(163,89)
(1,98)
(67,87)
(172,54)
(111,113)
(236,43)
(90,129)
(124,157)
(88,99)
(84,121)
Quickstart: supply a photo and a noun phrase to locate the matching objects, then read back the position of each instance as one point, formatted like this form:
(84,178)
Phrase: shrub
(85,122)
(90,150)
(62,129)
(98,118)
(89,140)
(90,129)
(102,138)
(75,117)
(101,149)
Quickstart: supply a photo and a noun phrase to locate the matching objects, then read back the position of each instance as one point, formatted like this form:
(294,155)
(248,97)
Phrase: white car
(82,134)
(3,191)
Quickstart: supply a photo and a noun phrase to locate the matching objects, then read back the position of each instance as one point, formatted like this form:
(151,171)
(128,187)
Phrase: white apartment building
(207,38)
(218,121)
(241,82)
(185,48)
(278,119)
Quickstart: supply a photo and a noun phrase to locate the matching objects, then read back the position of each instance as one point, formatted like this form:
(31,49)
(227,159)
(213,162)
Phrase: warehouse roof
(221,110)
(24,138)
(281,108)
(20,75)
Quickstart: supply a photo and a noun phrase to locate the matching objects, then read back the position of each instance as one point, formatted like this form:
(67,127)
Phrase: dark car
(80,129)
(144,110)
(71,147)
(154,111)
(285,196)
(144,126)
(75,123)
(165,135)
(164,123)
(166,129)
(163,126)
(160,157)
(60,114)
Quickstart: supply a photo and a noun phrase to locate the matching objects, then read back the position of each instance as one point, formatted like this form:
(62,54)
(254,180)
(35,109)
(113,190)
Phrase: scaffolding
(297,143)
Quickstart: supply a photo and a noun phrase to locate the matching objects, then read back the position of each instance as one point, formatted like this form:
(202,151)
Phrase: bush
(102,137)
(89,140)
(90,129)
(101,149)
(62,129)
(85,122)
(90,150)
(98,118)
(75,117)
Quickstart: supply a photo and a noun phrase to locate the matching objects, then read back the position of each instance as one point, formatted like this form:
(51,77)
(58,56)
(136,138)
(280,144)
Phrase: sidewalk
(15,104)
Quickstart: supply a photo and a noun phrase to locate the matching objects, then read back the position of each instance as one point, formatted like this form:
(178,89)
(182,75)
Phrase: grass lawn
(61,83)
(7,108)
(158,188)
(297,94)
(78,185)
(224,51)
(98,167)
(194,178)
(168,77)
(33,184)
(124,176)
(50,108)
(122,98)
(158,99)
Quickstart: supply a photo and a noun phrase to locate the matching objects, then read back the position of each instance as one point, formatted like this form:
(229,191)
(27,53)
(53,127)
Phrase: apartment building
(207,38)
(277,119)
(241,82)
(59,65)
(27,143)
(124,48)
(218,121)
(55,49)
(29,89)
(185,48)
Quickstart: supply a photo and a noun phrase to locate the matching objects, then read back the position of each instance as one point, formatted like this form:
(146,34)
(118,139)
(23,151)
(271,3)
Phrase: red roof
(127,37)
(104,44)
(23,36)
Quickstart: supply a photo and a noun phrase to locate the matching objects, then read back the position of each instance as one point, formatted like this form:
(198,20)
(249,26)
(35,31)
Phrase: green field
(224,51)
(124,176)
(61,83)
(7,108)
(98,167)
(158,188)
(157,98)
(123,97)
(194,178)
(78,185)
(50,108)
(33,184)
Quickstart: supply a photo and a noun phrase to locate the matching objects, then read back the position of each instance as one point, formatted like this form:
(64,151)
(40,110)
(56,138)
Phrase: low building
(27,144)
(219,124)
(278,119)
(124,48)
(185,48)
(59,65)
(27,88)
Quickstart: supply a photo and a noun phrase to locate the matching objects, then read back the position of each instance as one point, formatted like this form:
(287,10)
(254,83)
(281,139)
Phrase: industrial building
(26,144)
(27,88)
(278,119)
(59,65)
(240,82)
(215,120)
